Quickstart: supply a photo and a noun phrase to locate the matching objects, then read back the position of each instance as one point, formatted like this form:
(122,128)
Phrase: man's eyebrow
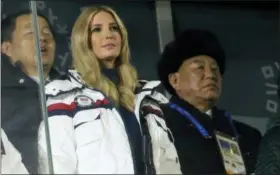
(45,27)
(214,63)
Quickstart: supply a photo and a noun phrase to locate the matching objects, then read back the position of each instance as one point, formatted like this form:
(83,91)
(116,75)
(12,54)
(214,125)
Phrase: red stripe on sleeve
(150,109)
(62,106)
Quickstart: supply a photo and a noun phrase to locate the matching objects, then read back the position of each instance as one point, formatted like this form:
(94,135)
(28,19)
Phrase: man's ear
(6,48)
(174,80)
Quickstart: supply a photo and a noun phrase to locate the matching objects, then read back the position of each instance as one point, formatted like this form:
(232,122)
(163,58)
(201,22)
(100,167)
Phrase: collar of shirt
(36,79)
(209,113)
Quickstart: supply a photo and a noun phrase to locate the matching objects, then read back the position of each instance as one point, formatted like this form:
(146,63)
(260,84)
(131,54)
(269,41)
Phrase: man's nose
(42,37)
(210,73)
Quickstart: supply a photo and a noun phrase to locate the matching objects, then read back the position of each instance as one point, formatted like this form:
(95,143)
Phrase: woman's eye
(115,28)
(96,29)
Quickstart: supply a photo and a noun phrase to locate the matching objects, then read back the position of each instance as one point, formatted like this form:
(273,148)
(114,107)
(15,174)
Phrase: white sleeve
(62,139)
(169,161)
(11,162)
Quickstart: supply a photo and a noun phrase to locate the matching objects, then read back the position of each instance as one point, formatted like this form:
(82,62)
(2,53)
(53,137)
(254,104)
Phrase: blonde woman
(97,123)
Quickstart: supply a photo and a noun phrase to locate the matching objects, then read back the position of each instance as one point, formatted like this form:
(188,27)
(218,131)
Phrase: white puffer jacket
(88,135)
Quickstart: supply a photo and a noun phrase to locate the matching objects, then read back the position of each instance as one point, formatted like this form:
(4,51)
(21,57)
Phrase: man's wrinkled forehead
(25,22)
(202,58)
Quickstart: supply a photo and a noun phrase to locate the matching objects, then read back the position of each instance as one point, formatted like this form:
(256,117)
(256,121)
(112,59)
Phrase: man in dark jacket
(20,103)
(208,141)
(268,162)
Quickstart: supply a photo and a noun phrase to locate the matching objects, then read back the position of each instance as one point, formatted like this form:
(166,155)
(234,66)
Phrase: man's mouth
(212,86)
(43,50)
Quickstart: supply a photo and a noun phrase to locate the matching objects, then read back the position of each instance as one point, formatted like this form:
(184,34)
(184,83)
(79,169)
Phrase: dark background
(249,32)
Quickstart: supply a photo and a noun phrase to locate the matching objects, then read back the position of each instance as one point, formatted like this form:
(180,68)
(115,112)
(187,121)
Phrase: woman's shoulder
(70,83)
(63,84)
(153,89)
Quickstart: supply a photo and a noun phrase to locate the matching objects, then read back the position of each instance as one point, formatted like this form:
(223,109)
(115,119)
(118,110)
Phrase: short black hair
(8,24)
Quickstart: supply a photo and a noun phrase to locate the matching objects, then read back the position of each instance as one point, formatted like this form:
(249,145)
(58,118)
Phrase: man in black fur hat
(208,141)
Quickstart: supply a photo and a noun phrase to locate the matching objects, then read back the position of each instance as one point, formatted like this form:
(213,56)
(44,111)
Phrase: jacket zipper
(143,137)
(130,144)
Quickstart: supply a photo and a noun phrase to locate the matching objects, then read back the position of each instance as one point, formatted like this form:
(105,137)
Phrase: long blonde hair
(87,64)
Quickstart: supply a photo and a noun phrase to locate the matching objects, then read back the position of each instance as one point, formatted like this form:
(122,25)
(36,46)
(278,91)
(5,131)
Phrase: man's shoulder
(246,128)
(272,134)
(247,134)
(242,128)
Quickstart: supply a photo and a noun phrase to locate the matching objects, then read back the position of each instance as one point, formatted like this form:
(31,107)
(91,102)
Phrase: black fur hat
(190,43)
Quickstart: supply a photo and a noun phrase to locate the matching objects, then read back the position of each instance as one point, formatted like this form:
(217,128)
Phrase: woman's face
(105,38)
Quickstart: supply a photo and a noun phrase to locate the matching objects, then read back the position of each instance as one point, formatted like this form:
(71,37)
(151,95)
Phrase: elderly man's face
(199,78)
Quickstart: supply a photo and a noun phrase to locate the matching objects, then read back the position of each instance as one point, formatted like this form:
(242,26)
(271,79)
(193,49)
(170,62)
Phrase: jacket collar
(219,120)
(13,76)
(187,106)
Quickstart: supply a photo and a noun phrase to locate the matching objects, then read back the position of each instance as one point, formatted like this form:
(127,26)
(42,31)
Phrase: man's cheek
(52,47)
(27,47)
